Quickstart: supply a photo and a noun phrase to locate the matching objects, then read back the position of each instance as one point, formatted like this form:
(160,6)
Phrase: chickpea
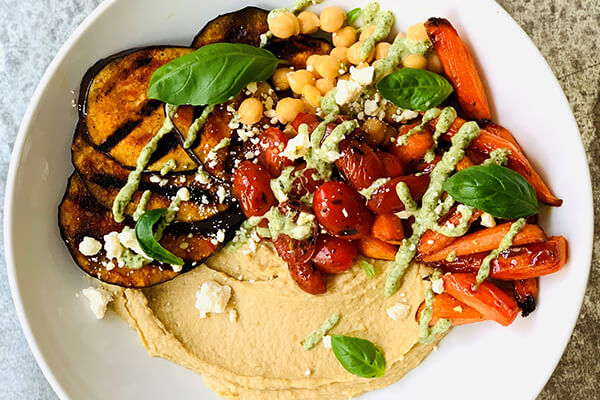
(375,131)
(308,108)
(309,22)
(329,67)
(280,80)
(325,85)
(312,95)
(417,32)
(345,37)
(415,61)
(311,63)
(381,50)
(332,19)
(367,31)
(340,53)
(434,63)
(362,65)
(288,108)
(299,79)
(284,25)
(251,111)
(354,54)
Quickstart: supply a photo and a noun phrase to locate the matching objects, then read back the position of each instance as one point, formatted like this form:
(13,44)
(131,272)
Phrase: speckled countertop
(566,31)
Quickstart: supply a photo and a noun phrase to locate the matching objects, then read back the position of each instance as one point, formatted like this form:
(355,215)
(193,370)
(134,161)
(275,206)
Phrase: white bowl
(88,359)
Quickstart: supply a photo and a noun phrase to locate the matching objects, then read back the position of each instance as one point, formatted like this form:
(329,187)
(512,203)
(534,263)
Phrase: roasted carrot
(447,307)
(371,247)
(432,242)
(487,240)
(392,166)
(416,146)
(519,262)
(388,227)
(385,200)
(464,163)
(488,299)
(526,292)
(498,130)
(459,67)
(487,142)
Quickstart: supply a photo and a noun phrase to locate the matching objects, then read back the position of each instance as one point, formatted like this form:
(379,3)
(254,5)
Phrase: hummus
(260,355)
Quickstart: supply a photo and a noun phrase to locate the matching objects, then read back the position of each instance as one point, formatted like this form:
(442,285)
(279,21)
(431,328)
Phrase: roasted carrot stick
(487,240)
(371,247)
(385,200)
(388,227)
(446,306)
(392,166)
(416,146)
(519,262)
(464,163)
(487,142)
(526,292)
(459,67)
(488,299)
(432,242)
(498,130)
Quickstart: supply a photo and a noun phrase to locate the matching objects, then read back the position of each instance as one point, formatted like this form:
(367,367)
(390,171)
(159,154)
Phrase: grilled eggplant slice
(297,49)
(104,177)
(217,127)
(118,116)
(80,216)
(242,26)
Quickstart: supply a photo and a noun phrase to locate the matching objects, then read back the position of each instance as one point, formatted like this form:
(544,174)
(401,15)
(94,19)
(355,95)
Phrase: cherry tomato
(307,278)
(385,199)
(305,118)
(270,143)
(341,210)
(359,164)
(333,255)
(425,167)
(392,167)
(305,182)
(294,251)
(252,188)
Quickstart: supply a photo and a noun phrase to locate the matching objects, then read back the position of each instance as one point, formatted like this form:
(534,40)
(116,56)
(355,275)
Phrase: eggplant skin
(242,26)
(118,117)
(80,216)
(297,49)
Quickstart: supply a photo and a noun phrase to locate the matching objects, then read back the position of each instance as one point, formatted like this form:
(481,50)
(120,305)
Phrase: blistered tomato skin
(272,142)
(307,278)
(333,255)
(290,250)
(305,182)
(341,211)
(251,186)
(359,164)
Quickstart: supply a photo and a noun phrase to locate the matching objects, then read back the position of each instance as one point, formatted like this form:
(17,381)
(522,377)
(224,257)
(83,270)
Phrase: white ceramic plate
(88,359)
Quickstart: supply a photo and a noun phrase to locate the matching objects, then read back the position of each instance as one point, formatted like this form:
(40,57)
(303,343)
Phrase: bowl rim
(17,153)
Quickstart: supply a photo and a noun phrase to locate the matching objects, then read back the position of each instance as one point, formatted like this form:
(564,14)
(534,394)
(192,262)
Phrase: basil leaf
(147,241)
(496,190)
(212,74)
(415,89)
(353,15)
(358,356)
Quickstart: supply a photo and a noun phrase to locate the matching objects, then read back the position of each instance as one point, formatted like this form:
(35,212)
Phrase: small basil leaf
(415,89)
(212,74)
(496,190)
(352,15)
(147,241)
(358,356)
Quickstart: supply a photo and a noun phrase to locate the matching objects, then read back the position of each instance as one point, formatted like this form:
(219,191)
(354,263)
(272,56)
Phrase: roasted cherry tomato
(252,188)
(341,210)
(307,278)
(385,199)
(294,251)
(359,164)
(333,255)
(392,167)
(270,143)
(305,118)
(305,182)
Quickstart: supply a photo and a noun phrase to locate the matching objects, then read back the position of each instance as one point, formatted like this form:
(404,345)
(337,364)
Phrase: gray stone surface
(566,31)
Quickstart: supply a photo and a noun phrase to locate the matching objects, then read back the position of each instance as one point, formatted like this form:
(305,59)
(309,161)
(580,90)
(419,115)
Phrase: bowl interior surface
(86,358)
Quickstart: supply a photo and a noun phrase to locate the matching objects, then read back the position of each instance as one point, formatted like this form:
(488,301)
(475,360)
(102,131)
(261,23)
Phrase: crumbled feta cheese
(296,147)
(308,372)
(371,107)
(155,178)
(183,194)
(398,311)
(163,182)
(252,87)
(222,194)
(233,315)
(129,240)
(184,245)
(270,113)
(363,76)
(109,265)
(347,91)
(202,177)
(409,114)
(221,235)
(487,220)
(89,246)
(344,212)
(212,298)
(437,286)
(327,341)
(99,299)
(112,245)
(176,268)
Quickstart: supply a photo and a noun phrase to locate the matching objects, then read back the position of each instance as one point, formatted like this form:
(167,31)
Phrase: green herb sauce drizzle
(141,207)
(428,335)
(315,337)
(196,126)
